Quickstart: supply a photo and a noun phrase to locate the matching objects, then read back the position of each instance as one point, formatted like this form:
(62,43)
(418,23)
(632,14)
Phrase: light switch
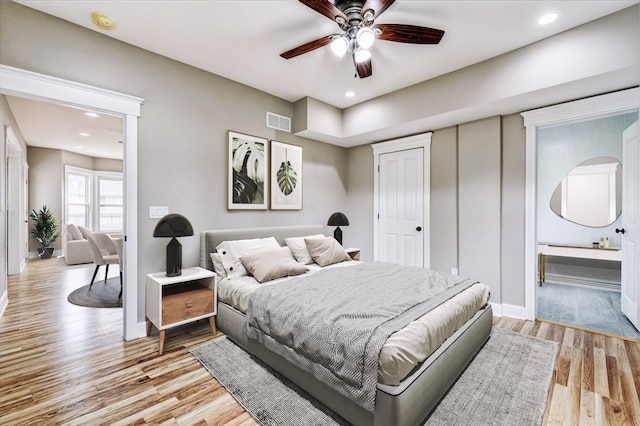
(156,212)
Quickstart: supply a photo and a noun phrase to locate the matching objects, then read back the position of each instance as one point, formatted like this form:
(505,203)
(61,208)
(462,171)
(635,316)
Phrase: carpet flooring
(506,384)
(590,308)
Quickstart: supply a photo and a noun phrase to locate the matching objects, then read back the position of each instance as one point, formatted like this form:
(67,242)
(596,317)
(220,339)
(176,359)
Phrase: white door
(630,219)
(401,207)
(15,253)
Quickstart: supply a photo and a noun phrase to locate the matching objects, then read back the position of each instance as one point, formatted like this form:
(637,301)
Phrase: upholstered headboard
(209,240)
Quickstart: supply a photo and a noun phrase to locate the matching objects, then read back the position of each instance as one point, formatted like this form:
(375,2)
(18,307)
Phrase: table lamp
(338,219)
(173,225)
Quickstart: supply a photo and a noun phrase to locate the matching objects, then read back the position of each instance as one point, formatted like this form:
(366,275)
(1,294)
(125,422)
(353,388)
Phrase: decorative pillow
(218,267)
(267,265)
(299,248)
(231,251)
(85,231)
(73,232)
(326,251)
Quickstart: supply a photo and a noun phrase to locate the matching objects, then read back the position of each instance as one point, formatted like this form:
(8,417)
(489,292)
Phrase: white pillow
(85,231)
(267,265)
(73,232)
(299,248)
(218,267)
(326,251)
(231,251)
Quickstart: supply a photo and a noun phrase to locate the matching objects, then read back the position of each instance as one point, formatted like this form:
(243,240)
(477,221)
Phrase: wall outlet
(156,212)
(454,271)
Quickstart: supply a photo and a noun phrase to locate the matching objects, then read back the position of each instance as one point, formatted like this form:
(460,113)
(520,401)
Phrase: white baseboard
(506,310)
(4,302)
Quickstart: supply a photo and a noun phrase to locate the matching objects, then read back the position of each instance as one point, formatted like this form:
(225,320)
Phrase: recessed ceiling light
(103,21)
(548,18)
(349,94)
(83,134)
(79,146)
(91,114)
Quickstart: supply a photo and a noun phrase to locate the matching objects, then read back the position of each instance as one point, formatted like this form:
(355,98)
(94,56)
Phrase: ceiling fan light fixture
(362,55)
(339,46)
(365,37)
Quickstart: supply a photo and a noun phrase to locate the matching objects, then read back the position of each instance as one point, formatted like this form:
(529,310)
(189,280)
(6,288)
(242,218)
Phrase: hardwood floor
(65,364)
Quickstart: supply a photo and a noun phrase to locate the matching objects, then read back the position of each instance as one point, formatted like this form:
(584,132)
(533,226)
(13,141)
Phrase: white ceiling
(242,40)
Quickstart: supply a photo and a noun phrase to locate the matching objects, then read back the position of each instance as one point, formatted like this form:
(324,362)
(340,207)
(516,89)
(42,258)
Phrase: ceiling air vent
(278,122)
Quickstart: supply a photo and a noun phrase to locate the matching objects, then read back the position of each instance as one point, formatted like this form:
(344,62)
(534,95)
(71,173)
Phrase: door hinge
(378,168)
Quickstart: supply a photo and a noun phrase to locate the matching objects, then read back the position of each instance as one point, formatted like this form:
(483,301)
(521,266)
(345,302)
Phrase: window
(78,197)
(110,208)
(94,199)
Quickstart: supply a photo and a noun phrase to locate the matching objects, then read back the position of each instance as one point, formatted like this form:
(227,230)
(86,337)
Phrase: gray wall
(479,197)
(46,179)
(477,203)
(182,150)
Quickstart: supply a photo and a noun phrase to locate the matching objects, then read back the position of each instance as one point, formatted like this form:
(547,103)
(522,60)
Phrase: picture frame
(247,172)
(286,176)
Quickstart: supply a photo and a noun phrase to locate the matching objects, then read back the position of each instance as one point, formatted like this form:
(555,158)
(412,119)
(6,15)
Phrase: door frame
(14,158)
(41,87)
(623,100)
(403,144)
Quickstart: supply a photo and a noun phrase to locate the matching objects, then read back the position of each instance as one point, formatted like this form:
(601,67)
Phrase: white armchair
(75,246)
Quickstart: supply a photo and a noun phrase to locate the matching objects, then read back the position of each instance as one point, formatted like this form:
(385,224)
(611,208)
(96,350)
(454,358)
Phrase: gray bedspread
(334,323)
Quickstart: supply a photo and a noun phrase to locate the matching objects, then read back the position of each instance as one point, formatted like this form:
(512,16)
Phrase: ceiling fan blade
(325,8)
(364,68)
(307,47)
(409,34)
(377,6)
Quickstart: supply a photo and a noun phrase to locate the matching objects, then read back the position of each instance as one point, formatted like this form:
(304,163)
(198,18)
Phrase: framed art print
(286,176)
(247,178)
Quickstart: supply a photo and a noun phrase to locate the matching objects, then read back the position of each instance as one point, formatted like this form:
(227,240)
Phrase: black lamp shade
(173,225)
(338,219)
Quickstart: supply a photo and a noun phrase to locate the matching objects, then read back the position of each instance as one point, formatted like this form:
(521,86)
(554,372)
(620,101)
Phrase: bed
(407,402)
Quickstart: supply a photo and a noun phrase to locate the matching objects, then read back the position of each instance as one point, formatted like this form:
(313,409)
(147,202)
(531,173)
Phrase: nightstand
(354,253)
(173,301)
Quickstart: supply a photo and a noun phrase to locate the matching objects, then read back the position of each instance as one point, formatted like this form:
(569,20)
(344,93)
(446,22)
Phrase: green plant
(45,226)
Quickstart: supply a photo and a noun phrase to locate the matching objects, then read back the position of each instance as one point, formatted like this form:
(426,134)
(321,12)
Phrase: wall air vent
(278,122)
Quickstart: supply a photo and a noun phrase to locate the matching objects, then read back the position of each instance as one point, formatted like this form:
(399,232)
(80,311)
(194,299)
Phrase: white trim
(4,302)
(610,103)
(33,85)
(506,310)
(17,82)
(403,144)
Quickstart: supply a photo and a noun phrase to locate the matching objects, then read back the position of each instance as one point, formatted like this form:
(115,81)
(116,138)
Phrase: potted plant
(45,231)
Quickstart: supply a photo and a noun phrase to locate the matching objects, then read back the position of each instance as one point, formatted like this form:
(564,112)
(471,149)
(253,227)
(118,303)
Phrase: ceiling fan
(356,19)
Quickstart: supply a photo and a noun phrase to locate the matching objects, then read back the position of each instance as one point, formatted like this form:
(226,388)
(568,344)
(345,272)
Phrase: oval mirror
(591,193)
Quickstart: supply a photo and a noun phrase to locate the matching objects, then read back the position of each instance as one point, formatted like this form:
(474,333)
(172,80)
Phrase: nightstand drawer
(185,302)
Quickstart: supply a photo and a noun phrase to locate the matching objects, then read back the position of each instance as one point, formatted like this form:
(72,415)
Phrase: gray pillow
(267,265)
(326,251)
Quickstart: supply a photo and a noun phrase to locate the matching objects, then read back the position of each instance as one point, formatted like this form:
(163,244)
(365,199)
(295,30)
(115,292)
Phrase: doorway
(21,83)
(561,139)
(401,201)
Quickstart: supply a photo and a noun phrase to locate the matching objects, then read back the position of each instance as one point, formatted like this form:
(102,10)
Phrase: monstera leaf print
(248,171)
(287,178)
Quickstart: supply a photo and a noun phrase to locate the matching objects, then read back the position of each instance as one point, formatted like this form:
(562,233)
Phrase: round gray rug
(101,294)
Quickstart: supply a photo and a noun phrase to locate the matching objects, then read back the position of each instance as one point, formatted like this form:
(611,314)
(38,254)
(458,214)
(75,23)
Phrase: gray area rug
(101,294)
(506,384)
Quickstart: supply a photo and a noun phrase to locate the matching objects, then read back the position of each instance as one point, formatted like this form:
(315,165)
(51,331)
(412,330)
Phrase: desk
(582,252)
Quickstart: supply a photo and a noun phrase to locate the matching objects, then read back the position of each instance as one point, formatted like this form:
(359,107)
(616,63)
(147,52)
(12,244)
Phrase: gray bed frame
(407,404)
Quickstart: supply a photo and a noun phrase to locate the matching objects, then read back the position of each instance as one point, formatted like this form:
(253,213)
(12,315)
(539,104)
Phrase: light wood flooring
(65,364)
